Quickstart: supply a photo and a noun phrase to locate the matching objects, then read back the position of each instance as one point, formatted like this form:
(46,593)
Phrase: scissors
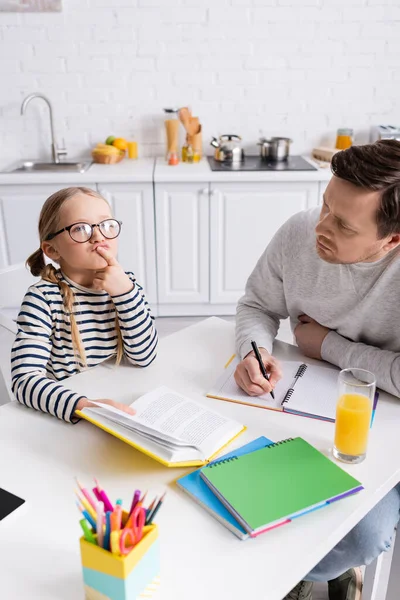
(133,531)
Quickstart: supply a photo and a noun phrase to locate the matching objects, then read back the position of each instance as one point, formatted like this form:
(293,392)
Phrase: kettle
(228,148)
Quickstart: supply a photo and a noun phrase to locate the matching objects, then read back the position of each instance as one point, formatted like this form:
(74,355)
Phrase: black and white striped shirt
(43,353)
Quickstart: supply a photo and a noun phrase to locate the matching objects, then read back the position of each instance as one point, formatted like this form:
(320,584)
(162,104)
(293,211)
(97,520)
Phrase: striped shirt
(43,353)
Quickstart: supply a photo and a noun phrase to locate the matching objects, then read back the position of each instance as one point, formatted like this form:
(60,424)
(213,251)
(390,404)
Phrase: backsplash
(280,67)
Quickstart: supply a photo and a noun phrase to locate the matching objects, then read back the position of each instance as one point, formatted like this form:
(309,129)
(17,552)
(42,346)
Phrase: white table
(200,558)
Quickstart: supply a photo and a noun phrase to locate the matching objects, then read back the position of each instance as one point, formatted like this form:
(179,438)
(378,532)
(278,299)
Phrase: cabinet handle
(213,192)
(204,191)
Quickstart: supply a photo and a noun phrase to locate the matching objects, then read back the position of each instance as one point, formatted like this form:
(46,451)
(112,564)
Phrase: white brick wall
(301,68)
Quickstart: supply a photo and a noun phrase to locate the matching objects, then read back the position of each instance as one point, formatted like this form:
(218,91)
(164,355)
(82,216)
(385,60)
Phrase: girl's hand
(85,403)
(112,279)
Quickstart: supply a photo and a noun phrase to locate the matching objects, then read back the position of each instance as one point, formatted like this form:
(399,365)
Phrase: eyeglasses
(83,232)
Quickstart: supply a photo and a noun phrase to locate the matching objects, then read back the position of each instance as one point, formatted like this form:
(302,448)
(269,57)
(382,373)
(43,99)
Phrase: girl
(81,314)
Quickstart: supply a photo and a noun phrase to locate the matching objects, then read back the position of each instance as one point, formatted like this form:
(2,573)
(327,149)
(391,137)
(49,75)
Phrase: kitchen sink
(61,167)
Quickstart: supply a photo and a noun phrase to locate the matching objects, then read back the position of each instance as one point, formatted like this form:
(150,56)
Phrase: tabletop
(40,456)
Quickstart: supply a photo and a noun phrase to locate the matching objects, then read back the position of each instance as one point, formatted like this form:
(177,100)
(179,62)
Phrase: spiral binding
(279,443)
(232,458)
(301,370)
(288,395)
(220,462)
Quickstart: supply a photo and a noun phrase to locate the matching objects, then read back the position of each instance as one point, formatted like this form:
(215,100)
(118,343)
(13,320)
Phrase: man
(336,273)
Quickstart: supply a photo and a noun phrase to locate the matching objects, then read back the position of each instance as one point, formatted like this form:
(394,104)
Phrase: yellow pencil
(86,504)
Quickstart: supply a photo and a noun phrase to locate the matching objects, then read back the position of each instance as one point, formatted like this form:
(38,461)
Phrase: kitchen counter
(127,171)
(157,170)
(201,172)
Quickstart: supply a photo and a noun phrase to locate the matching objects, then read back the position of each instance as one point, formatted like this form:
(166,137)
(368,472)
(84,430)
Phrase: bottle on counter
(132,149)
(172,131)
(344,138)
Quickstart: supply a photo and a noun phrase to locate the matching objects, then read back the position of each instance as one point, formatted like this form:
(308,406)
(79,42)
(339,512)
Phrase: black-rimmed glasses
(82,232)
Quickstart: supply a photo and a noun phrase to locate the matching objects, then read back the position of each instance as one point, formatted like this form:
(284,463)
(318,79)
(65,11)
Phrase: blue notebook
(195,487)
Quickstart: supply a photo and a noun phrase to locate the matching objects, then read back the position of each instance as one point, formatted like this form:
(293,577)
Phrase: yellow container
(135,576)
(132,150)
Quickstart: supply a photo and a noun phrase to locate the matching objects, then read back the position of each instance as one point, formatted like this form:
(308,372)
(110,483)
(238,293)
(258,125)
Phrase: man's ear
(392,242)
(50,251)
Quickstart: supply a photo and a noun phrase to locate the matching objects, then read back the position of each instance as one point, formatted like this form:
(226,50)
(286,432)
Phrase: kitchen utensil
(385,132)
(275,149)
(228,148)
(324,153)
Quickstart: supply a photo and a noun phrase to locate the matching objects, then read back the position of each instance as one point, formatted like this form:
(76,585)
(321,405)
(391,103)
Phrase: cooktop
(255,163)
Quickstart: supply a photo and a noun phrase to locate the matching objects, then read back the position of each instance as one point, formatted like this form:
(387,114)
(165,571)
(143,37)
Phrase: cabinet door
(182,234)
(244,218)
(20,207)
(133,204)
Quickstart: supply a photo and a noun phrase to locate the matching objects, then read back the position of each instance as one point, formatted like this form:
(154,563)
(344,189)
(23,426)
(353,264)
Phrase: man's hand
(249,377)
(85,403)
(309,336)
(112,279)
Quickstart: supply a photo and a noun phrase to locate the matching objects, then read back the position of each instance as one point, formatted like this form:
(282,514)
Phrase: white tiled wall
(295,67)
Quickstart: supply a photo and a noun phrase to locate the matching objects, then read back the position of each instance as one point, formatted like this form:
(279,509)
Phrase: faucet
(55,152)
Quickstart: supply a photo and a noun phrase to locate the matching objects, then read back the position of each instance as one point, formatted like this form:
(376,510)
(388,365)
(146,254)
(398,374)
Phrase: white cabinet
(244,217)
(132,203)
(182,236)
(20,207)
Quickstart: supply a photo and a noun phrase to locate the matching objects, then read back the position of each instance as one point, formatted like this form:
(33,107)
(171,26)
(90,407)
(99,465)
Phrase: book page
(184,419)
(179,422)
(226,387)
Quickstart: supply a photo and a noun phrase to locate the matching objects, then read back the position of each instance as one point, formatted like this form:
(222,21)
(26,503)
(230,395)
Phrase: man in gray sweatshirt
(335,272)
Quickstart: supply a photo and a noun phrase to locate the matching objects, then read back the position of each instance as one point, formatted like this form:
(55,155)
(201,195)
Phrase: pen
(104,498)
(135,500)
(118,514)
(106,542)
(261,364)
(88,535)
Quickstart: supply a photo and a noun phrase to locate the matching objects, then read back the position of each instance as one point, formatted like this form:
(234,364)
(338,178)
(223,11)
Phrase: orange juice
(353,418)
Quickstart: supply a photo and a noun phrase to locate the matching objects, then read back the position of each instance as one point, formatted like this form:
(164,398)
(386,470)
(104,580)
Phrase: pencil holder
(135,576)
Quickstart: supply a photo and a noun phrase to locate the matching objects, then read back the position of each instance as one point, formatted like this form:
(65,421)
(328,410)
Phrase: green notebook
(272,486)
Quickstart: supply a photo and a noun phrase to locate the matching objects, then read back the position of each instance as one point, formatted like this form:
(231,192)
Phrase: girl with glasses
(82,313)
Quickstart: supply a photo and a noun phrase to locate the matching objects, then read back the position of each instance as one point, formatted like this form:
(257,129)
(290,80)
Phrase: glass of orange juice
(353,414)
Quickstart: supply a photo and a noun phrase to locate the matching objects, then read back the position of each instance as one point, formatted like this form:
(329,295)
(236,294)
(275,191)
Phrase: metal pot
(228,148)
(275,149)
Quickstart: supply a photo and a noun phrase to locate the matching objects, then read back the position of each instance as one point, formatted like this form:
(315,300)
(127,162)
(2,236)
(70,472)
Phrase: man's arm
(263,304)
(385,364)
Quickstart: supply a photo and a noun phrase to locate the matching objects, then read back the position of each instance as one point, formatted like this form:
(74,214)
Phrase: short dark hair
(375,167)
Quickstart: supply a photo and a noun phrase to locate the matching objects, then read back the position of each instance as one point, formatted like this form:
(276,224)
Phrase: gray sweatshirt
(358,302)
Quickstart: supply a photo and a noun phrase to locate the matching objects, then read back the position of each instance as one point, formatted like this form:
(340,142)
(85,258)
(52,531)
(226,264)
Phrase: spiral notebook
(305,390)
(195,487)
(272,486)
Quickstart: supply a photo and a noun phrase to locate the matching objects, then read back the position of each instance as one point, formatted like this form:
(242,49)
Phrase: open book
(306,390)
(167,426)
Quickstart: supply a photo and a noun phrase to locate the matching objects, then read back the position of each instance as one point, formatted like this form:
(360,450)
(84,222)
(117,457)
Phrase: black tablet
(8,503)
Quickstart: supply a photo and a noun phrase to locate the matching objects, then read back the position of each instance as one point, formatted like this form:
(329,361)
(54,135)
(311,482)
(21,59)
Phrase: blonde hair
(48,223)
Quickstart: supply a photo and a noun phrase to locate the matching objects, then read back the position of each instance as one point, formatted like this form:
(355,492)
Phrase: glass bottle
(344,138)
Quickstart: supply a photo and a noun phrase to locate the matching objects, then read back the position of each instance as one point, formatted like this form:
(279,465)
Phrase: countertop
(127,171)
(201,172)
(157,170)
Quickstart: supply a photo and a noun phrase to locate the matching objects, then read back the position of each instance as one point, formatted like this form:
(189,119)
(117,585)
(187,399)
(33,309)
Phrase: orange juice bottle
(353,418)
